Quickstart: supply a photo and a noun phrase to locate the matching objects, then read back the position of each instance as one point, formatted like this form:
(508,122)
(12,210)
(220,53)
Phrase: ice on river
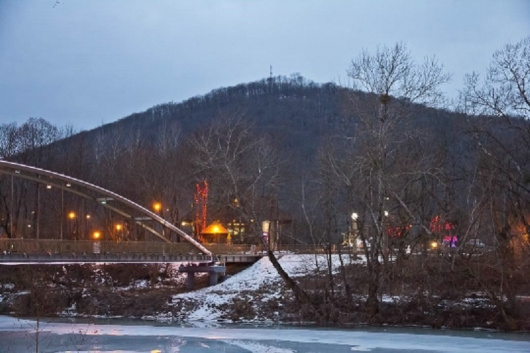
(19,335)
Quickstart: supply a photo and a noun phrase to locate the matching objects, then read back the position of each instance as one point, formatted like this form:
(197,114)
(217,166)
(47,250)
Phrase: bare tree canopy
(391,71)
(242,166)
(503,91)
(385,166)
(31,135)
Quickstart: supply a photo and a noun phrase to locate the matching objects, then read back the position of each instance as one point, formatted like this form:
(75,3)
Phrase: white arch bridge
(58,248)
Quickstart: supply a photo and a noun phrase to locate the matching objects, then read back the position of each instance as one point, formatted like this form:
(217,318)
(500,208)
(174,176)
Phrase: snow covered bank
(260,282)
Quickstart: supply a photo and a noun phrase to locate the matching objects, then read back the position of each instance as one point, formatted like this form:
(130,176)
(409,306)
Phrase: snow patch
(260,276)
(8,286)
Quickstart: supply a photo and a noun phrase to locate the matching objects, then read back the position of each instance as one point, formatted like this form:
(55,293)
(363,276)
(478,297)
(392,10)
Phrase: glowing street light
(157,206)
(71,215)
(96,235)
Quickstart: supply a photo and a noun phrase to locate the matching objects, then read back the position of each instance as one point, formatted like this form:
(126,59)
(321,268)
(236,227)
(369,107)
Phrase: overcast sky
(90,62)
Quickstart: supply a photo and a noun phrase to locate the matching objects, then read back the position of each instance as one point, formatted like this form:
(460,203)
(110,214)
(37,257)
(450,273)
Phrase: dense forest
(385,164)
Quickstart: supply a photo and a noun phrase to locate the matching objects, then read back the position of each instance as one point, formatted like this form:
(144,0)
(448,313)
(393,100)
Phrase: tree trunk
(372,301)
(300,295)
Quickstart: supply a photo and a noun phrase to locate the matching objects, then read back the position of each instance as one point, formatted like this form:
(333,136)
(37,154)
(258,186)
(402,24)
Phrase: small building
(215,233)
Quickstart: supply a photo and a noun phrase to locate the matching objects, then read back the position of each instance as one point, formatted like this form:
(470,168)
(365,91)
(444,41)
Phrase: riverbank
(252,295)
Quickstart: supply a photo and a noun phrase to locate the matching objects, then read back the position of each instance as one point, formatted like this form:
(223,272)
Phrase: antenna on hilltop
(269,80)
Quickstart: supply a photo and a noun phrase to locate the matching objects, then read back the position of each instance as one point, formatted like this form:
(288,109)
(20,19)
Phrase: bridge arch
(99,195)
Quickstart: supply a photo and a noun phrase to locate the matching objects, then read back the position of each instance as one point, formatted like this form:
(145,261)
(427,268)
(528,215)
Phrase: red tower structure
(201,206)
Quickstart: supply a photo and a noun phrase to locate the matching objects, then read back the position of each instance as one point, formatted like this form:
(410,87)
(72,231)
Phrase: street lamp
(73,225)
(354,231)
(157,206)
(96,246)
(118,234)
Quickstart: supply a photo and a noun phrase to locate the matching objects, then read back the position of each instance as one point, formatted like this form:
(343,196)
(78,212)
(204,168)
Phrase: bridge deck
(73,258)
(50,251)
(31,251)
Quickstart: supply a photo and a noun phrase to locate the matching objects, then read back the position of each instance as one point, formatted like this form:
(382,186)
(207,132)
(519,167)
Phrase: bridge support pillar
(213,271)
(214,278)
(190,281)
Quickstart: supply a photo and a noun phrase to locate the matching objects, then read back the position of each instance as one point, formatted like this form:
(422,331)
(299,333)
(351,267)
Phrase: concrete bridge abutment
(214,272)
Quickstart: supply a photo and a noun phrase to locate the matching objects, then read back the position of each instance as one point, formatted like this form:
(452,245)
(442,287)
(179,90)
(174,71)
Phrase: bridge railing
(55,246)
(301,248)
(233,248)
(253,249)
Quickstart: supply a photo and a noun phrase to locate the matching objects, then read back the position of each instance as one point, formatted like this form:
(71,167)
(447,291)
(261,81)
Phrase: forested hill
(270,102)
(288,124)
(294,113)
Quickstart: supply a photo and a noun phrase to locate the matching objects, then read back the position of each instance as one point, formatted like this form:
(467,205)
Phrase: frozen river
(126,337)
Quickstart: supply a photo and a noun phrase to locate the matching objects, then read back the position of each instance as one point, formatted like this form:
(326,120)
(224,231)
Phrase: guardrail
(253,249)
(54,246)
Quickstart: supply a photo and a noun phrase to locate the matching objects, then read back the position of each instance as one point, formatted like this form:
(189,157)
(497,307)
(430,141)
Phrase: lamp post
(86,226)
(157,207)
(96,247)
(386,246)
(354,230)
(72,217)
(118,227)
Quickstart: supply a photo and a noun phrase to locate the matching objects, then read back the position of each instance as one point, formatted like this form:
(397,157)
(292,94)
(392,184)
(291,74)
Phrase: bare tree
(9,142)
(28,138)
(241,166)
(504,89)
(29,144)
(394,82)
(499,106)
(242,170)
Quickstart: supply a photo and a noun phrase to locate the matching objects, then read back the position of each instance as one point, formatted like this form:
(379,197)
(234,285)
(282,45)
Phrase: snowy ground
(254,295)
(261,277)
